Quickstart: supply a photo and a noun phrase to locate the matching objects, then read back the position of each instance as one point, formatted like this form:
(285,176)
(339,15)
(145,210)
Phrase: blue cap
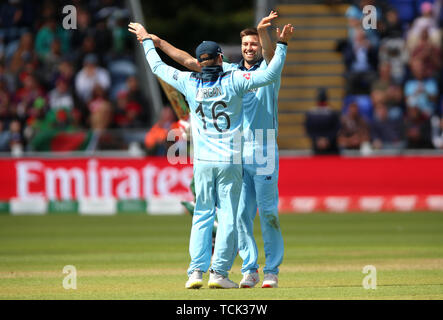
(211,48)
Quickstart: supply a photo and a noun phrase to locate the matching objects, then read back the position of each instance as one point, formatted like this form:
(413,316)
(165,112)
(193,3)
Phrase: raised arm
(179,56)
(268,47)
(172,76)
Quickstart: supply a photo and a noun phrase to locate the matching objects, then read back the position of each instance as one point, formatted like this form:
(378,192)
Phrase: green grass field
(146,257)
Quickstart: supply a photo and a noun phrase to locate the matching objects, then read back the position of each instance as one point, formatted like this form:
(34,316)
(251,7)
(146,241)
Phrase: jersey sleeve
(245,80)
(229,66)
(170,75)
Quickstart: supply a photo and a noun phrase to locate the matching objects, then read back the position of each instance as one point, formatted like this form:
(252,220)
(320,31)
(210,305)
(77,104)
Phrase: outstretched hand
(266,21)
(138,30)
(286,33)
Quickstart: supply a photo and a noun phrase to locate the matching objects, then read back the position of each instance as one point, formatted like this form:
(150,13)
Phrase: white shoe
(217,281)
(270,281)
(195,280)
(250,280)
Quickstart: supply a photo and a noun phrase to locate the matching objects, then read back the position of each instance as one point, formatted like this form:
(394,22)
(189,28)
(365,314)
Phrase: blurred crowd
(56,80)
(393,82)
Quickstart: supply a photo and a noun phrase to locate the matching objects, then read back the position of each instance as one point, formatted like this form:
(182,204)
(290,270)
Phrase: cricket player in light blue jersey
(215,100)
(260,154)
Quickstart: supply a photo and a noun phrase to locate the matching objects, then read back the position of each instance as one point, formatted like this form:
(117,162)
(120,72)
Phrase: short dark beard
(253,61)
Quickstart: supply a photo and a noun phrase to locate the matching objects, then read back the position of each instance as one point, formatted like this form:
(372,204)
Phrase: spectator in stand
(127,113)
(36,114)
(87,49)
(354,130)
(25,52)
(65,70)
(322,125)
(136,95)
(5,100)
(103,38)
(393,47)
(60,96)
(361,60)
(386,133)
(120,119)
(51,61)
(7,78)
(83,29)
(16,142)
(428,53)
(425,21)
(4,137)
(100,109)
(421,92)
(391,27)
(25,96)
(438,13)
(385,91)
(418,129)
(437,132)
(90,76)
(16,16)
(120,33)
(156,138)
(44,38)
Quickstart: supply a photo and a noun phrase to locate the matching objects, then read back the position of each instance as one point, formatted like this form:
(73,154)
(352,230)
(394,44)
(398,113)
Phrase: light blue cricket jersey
(260,110)
(215,102)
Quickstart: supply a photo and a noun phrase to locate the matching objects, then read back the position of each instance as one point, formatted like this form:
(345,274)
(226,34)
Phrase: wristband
(282,42)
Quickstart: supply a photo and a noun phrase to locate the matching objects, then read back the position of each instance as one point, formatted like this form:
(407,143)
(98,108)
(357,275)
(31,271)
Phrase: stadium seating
(311,62)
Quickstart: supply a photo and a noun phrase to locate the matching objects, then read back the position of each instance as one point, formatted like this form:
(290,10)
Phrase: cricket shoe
(250,280)
(217,281)
(270,281)
(195,280)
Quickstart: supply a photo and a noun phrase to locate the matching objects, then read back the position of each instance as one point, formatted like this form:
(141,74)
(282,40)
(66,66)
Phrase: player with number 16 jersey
(215,101)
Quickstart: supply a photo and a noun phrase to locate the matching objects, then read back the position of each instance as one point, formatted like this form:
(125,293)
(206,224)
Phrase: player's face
(251,49)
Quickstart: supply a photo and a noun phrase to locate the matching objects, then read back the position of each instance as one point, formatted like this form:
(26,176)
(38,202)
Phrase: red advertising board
(305,183)
(334,176)
(68,179)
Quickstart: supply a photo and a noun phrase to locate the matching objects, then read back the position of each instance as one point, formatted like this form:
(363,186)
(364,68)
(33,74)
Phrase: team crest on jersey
(247,76)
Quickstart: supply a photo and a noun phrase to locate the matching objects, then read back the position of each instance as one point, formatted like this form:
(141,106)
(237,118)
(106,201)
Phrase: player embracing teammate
(225,101)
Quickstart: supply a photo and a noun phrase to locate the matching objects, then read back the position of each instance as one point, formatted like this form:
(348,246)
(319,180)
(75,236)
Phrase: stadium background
(88,94)
(76,107)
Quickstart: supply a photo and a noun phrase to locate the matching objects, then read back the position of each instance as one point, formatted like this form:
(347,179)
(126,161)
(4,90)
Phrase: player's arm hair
(167,73)
(179,56)
(268,47)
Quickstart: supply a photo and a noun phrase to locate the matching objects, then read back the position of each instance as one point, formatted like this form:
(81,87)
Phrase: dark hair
(322,95)
(248,32)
